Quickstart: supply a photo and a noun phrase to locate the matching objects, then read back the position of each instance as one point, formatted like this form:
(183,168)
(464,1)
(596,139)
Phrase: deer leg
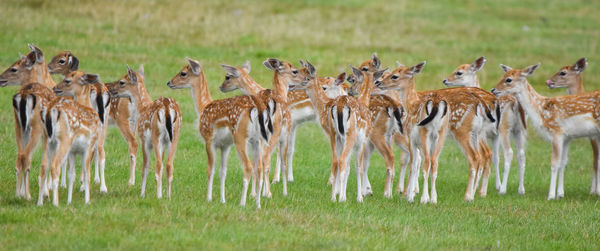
(520,140)
(561,172)
(210,168)
(508,155)
(146,152)
(223,170)
(557,151)
(72,175)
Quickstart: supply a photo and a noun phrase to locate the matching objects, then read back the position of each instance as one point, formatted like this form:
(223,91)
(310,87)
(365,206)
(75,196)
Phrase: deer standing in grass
(28,69)
(284,74)
(426,126)
(158,127)
(511,123)
(301,111)
(346,121)
(557,119)
(569,77)
(71,129)
(241,120)
(88,90)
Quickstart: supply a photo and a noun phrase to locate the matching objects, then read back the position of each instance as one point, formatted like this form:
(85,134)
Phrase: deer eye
(508,80)
(562,73)
(458,73)
(121,82)
(365,69)
(62,61)
(67,81)
(227,77)
(394,77)
(295,72)
(13,69)
(183,74)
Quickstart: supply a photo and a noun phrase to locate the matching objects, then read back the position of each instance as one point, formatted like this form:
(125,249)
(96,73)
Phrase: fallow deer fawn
(557,119)
(511,123)
(28,69)
(241,120)
(158,127)
(88,90)
(29,129)
(276,99)
(71,129)
(301,111)
(569,77)
(426,126)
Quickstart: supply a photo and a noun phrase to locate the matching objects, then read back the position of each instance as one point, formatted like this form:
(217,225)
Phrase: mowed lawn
(107,35)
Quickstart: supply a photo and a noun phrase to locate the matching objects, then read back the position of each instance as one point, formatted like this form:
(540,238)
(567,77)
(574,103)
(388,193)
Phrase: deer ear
(302,63)
(91,78)
(132,75)
(580,65)
(358,75)
(505,68)
(340,79)
(399,64)
(30,60)
(246,66)
(73,62)
(478,64)
(378,74)
(195,66)
(530,70)
(272,64)
(311,70)
(21,56)
(39,55)
(417,68)
(376,62)
(231,70)
(142,72)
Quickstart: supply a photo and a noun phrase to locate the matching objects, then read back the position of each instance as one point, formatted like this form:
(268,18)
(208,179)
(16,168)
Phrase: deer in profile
(241,121)
(569,77)
(27,70)
(87,89)
(557,119)
(157,126)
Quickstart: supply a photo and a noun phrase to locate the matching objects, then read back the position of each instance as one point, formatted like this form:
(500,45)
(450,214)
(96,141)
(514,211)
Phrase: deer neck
(365,92)
(532,103)
(576,87)
(84,97)
(317,96)
(200,94)
(250,86)
(280,88)
(40,74)
(143,99)
(408,95)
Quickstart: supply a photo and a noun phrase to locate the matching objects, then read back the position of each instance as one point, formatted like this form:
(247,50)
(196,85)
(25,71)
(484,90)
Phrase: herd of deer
(379,109)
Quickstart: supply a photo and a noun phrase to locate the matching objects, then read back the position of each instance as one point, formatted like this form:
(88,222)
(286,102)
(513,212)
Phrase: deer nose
(169,83)
(494,91)
(377,83)
(444,81)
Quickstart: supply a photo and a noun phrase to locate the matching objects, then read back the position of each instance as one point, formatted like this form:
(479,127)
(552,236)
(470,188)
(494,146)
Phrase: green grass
(106,35)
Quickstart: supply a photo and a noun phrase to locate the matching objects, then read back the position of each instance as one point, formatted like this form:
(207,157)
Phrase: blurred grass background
(107,35)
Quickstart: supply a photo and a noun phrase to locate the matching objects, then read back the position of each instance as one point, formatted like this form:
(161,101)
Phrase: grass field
(106,35)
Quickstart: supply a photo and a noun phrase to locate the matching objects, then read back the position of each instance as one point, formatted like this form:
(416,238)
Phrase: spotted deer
(301,111)
(29,129)
(88,90)
(157,126)
(241,120)
(276,99)
(426,126)
(557,119)
(569,77)
(511,124)
(71,129)
(30,68)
